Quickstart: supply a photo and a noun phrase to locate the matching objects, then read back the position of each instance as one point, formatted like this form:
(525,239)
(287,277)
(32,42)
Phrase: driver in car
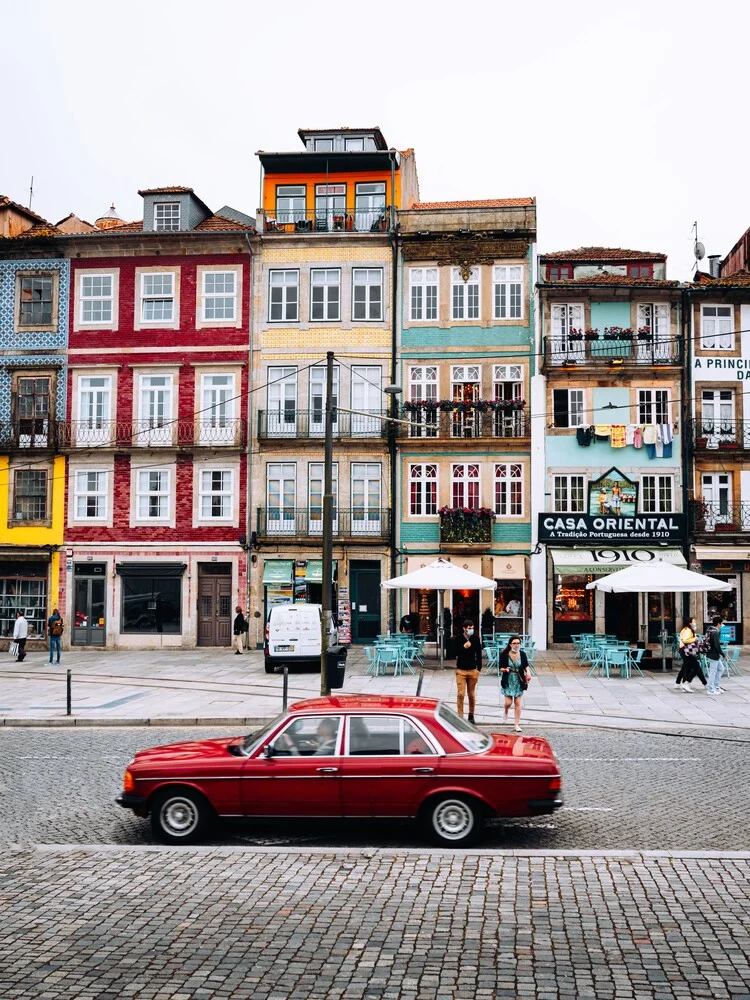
(322,744)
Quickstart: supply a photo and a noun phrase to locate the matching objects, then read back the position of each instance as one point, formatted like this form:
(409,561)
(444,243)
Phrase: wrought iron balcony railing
(293,423)
(307,522)
(326,220)
(28,434)
(124,434)
(427,422)
(466,528)
(719,518)
(725,436)
(607,350)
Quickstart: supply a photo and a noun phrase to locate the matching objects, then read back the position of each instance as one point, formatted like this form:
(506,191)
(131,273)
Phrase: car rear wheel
(453,821)
(179,816)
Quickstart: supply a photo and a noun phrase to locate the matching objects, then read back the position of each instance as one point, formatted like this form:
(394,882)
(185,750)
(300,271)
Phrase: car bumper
(542,806)
(135,802)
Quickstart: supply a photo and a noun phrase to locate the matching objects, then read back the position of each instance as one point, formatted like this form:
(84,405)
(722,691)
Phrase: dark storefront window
(151,599)
(573,607)
(23,587)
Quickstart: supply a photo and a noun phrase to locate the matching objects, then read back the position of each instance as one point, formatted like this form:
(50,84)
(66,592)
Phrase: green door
(364,579)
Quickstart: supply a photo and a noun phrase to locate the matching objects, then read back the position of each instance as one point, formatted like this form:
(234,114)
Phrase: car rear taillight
(555,784)
(128,782)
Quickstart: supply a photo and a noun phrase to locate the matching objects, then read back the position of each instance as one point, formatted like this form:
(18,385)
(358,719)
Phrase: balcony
(444,420)
(28,434)
(357,524)
(612,351)
(296,222)
(306,424)
(462,529)
(719,519)
(119,435)
(727,437)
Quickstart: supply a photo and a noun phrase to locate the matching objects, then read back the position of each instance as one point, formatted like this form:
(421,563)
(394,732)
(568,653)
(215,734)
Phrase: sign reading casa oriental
(577,528)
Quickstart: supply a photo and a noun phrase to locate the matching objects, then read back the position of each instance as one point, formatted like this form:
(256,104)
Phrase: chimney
(714,265)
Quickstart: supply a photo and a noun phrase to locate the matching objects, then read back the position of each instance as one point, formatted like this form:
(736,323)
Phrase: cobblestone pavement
(229,924)
(631,790)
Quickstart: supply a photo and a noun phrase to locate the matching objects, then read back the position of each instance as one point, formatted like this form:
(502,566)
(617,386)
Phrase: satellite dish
(699,250)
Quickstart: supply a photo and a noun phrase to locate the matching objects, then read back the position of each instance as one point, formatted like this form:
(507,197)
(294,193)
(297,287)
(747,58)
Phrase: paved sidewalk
(214,686)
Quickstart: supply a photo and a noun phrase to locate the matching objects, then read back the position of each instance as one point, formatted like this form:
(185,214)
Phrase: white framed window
(423,385)
(218,404)
(281,497)
(717,328)
(282,400)
(465,485)
(330,207)
(354,145)
(323,145)
(219,295)
(318,383)
(568,407)
(509,489)
(157,297)
(465,295)
(717,415)
(654,318)
(166,215)
(716,493)
(423,294)
(567,319)
(369,207)
(216,494)
(153,494)
(96,298)
(423,489)
(315,489)
(90,494)
(325,294)
(283,296)
(94,426)
(155,423)
(366,498)
(367,397)
(507,291)
(367,293)
(569,494)
(290,203)
(653,406)
(657,494)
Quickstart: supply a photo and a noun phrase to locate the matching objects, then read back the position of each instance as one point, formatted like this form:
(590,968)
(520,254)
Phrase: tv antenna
(31,190)
(699,251)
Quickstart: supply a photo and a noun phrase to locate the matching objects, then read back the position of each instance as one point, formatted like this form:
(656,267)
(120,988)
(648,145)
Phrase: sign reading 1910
(635,528)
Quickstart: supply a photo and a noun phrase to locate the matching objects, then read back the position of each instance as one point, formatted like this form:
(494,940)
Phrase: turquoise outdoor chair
(387,656)
(373,661)
(493,656)
(617,659)
(636,655)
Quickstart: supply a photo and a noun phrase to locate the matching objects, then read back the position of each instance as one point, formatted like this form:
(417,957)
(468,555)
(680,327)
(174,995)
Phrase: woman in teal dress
(514,677)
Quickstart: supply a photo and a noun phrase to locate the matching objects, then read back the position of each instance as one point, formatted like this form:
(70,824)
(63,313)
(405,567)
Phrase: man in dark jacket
(240,629)
(714,655)
(468,665)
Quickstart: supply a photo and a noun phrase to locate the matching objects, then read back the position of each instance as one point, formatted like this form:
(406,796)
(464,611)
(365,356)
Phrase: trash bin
(335,666)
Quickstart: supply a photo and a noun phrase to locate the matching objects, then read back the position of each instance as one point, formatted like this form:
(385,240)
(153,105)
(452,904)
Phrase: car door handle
(327,770)
(423,770)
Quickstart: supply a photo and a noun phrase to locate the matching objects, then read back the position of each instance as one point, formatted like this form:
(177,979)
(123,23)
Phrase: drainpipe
(392,428)
(248,444)
(686,314)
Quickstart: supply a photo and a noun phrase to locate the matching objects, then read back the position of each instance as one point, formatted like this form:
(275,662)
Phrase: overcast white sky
(627,121)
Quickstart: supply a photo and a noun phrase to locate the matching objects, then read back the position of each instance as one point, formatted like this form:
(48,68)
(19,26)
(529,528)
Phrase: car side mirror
(268,751)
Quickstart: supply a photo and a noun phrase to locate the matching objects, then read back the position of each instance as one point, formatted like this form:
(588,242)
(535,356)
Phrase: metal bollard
(284,689)
(68,692)
(419,682)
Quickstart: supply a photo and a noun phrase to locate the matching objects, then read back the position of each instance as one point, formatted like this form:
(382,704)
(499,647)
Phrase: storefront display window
(509,606)
(27,593)
(151,604)
(723,602)
(573,603)
(654,615)
(423,607)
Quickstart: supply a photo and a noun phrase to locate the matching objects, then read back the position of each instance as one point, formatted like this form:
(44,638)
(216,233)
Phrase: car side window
(385,736)
(309,736)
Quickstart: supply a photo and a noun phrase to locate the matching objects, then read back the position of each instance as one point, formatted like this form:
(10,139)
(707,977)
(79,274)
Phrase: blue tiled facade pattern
(48,341)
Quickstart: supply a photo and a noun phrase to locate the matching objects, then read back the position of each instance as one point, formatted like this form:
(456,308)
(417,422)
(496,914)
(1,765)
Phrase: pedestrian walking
(691,667)
(514,679)
(241,628)
(55,627)
(20,634)
(714,655)
(468,665)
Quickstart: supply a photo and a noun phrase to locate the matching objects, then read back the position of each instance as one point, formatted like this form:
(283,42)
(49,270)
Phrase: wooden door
(214,610)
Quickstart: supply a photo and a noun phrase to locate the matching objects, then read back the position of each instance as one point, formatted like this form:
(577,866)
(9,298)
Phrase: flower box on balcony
(464,526)
(701,442)
(591,334)
(724,526)
(728,445)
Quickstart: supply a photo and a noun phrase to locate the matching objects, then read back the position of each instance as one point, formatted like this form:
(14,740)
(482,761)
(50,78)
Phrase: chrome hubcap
(453,819)
(179,816)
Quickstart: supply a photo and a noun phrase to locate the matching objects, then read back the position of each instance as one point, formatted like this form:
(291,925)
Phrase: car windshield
(253,740)
(465,732)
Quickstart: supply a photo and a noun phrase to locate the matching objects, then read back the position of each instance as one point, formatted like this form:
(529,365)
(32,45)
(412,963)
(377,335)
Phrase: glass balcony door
(367,397)
(94,411)
(282,402)
(366,498)
(316,487)
(318,400)
(155,423)
(281,486)
(330,207)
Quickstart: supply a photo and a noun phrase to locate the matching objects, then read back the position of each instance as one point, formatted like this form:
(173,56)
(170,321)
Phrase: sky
(626,121)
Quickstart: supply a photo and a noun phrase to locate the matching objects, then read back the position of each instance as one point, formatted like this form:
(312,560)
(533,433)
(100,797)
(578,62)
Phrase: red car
(353,756)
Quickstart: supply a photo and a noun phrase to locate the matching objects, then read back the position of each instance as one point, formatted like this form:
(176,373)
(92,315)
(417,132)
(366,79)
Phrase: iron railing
(607,351)
(719,518)
(721,435)
(326,220)
(120,434)
(466,528)
(293,423)
(28,434)
(307,522)
(469,423)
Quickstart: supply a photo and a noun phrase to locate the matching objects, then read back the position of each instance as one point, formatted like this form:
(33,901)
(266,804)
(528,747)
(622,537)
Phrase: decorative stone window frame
(21,464)
(216,463)
(142,464)
(88,272)
(201,322)
(31,272)
(174,323)
(102,468)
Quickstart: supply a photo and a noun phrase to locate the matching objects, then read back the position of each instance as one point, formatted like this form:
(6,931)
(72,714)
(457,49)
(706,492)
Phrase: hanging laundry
(583,436)
(602,431)
(649,434)
(665,432)
(630,434)
(651,450)
(638,437)
(618,436)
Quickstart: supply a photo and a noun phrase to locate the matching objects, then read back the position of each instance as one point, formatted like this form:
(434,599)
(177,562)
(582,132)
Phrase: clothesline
(655,438)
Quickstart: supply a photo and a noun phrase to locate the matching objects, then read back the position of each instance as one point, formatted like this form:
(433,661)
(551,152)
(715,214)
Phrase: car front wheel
(453,821)
(179,816)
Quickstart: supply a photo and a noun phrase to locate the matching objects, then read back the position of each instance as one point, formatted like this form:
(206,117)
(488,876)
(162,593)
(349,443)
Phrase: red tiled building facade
(156,433)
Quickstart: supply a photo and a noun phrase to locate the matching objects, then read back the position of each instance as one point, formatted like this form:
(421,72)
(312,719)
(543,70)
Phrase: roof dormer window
(640,270)
(166,215)
(324,145)
(354,145)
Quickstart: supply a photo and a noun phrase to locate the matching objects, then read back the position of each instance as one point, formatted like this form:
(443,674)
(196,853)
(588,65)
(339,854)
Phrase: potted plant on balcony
(726,526)
(592,333)
(575,334)
(701,442)
(466,524)
(728,445)
(699,510)
(645,333)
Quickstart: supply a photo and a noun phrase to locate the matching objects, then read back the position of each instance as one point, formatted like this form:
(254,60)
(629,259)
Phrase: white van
(293,636)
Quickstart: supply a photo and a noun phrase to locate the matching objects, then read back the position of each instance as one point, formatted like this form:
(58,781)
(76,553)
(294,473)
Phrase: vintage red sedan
(349,756)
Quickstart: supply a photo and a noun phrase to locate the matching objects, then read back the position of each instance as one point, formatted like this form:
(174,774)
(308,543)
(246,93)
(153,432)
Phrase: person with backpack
(55,626)
(711,647)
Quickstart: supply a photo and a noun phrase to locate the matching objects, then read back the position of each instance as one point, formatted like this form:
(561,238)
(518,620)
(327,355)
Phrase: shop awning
(599,562)
(314,571)
(722,553)
(509,567)
(147,569)
(277,572)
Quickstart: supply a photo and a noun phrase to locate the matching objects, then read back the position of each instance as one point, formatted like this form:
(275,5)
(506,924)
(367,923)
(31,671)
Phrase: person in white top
(20,633)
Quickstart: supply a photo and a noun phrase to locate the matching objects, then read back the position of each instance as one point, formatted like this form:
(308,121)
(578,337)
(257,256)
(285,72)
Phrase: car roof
(368,703)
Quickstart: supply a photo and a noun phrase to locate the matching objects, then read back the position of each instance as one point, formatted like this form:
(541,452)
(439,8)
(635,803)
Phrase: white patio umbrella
(440,575)
(657,577)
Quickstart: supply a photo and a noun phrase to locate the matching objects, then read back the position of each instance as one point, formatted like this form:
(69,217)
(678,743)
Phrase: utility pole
(327,600)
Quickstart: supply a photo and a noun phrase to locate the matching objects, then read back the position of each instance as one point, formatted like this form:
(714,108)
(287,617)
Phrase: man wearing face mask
(468,665)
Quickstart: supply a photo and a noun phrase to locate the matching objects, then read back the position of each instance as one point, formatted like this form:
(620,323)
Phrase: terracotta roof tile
(611,254)
(5,202)
(740,280)
(39,229)
(214,223)
(220,223)
(615,279)
(175,189)
(421,206)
